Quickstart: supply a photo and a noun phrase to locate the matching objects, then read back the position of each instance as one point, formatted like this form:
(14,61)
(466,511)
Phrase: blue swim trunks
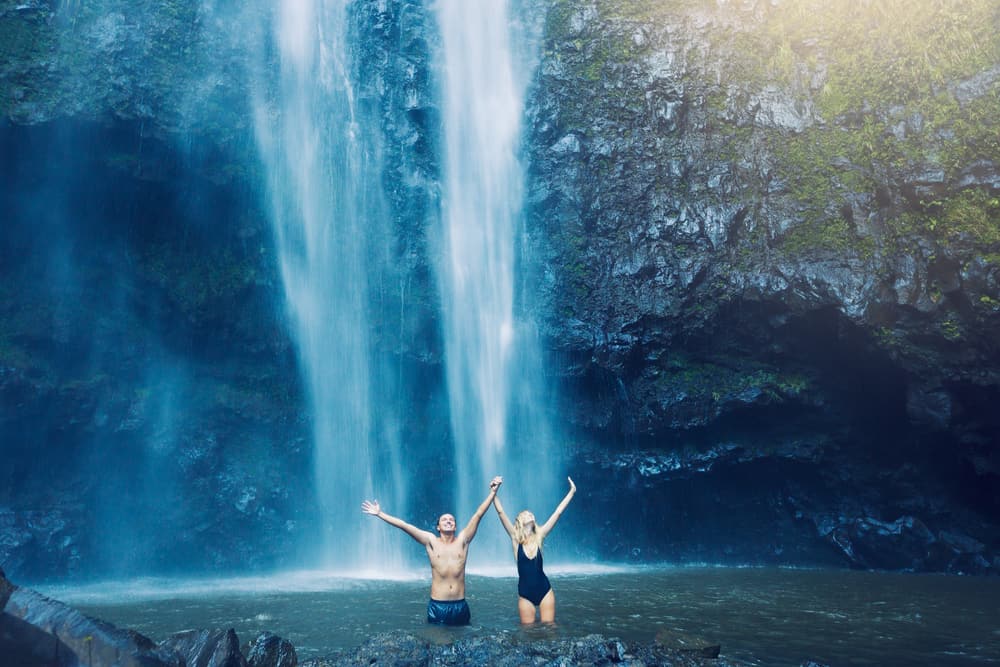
(448,612)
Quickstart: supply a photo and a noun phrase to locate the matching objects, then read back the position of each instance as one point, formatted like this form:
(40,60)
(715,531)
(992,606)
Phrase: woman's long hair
(524,537)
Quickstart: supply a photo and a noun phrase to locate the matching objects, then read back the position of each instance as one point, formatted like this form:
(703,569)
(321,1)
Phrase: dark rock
(392,648)
(688,643)
(398,649)
(207,648)
(961,543)
(929,406)
(269,650)
(903,544)
(6,588)
(42,631)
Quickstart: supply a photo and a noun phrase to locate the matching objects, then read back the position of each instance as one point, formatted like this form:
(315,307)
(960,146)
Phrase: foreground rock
(207,648)
(401,649)
(269,650)
(36,631)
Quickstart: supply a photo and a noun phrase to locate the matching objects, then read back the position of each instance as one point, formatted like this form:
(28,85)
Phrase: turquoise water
(773,617)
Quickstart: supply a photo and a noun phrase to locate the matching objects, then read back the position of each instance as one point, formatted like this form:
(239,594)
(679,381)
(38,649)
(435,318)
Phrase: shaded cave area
(791,440)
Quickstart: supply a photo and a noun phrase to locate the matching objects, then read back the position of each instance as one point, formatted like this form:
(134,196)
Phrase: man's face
(446,524)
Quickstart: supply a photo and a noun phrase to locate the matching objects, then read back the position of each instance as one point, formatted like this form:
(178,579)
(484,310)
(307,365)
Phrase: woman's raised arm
(548,525)
(507,525)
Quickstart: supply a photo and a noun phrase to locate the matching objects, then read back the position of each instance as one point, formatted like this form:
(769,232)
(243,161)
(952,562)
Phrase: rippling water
(773,617)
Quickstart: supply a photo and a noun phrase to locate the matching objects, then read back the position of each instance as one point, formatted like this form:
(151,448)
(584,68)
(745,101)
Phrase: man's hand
(371,507)
(495,484)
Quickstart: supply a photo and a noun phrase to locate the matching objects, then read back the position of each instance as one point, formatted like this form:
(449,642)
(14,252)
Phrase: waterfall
(489,356)
(323,177)
(322,161)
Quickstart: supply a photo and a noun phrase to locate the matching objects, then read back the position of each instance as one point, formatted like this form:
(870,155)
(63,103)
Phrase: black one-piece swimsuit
(532,584)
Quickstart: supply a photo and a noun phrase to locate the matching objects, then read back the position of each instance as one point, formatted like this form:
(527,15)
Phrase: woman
(533,589)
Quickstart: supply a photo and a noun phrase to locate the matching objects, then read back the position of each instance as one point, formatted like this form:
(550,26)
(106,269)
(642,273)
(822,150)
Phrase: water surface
(773,617)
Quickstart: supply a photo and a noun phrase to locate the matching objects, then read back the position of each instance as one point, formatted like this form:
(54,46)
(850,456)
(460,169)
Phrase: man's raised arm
(373,508)
(470,530)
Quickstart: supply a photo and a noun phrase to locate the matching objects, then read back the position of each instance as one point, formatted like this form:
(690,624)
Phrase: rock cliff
(761,245)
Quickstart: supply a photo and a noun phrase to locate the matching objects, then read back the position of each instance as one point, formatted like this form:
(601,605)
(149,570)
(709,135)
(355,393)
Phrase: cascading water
(323,176)
(323,184)
(482,87)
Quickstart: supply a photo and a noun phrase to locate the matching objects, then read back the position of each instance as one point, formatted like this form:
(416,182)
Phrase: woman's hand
(495,484)
(572,486)
(371,507)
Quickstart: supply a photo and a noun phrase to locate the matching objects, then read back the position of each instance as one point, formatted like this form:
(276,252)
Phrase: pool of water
(773,617)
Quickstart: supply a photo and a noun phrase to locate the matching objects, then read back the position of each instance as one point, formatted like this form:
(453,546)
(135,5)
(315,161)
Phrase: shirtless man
(447,553)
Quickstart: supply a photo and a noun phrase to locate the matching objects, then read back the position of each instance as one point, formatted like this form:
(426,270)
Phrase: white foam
(160,588)
(290,581)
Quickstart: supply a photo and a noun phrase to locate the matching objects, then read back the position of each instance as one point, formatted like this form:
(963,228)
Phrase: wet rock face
(662,212)
(396,83)
(6,588)
(694,304)
(749,319)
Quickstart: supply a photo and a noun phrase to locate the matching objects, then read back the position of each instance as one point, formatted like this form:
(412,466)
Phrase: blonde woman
(533,588)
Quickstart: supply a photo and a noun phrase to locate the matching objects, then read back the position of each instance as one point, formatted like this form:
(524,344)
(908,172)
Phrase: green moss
(887,63)
(720,383)
(22,38)
(973,214)
(951,330)
(970,217)
(887,338)
(829,234)
(196,286)
(12,354)
(26,41)
(648,10)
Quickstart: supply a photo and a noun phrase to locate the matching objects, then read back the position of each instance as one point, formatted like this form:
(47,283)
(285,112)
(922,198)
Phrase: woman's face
(528,522)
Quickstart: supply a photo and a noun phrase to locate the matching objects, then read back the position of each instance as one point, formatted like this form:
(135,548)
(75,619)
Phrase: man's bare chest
(448,553)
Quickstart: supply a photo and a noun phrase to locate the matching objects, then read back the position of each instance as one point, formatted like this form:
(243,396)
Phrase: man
(447,553)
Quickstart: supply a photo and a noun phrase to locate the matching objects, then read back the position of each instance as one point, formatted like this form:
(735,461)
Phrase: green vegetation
(951,330)
(970,218)
(832,234)
(196,286)
(20,34)
(647,10)
(892,101)
(723,383)
(25,42)
(890,64)
(114,55)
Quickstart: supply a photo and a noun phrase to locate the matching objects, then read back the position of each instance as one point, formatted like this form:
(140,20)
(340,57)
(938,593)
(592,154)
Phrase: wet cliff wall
(760,246)
(766,234)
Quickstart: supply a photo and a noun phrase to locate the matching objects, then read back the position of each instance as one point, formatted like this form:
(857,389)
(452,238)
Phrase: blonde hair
(521,536)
